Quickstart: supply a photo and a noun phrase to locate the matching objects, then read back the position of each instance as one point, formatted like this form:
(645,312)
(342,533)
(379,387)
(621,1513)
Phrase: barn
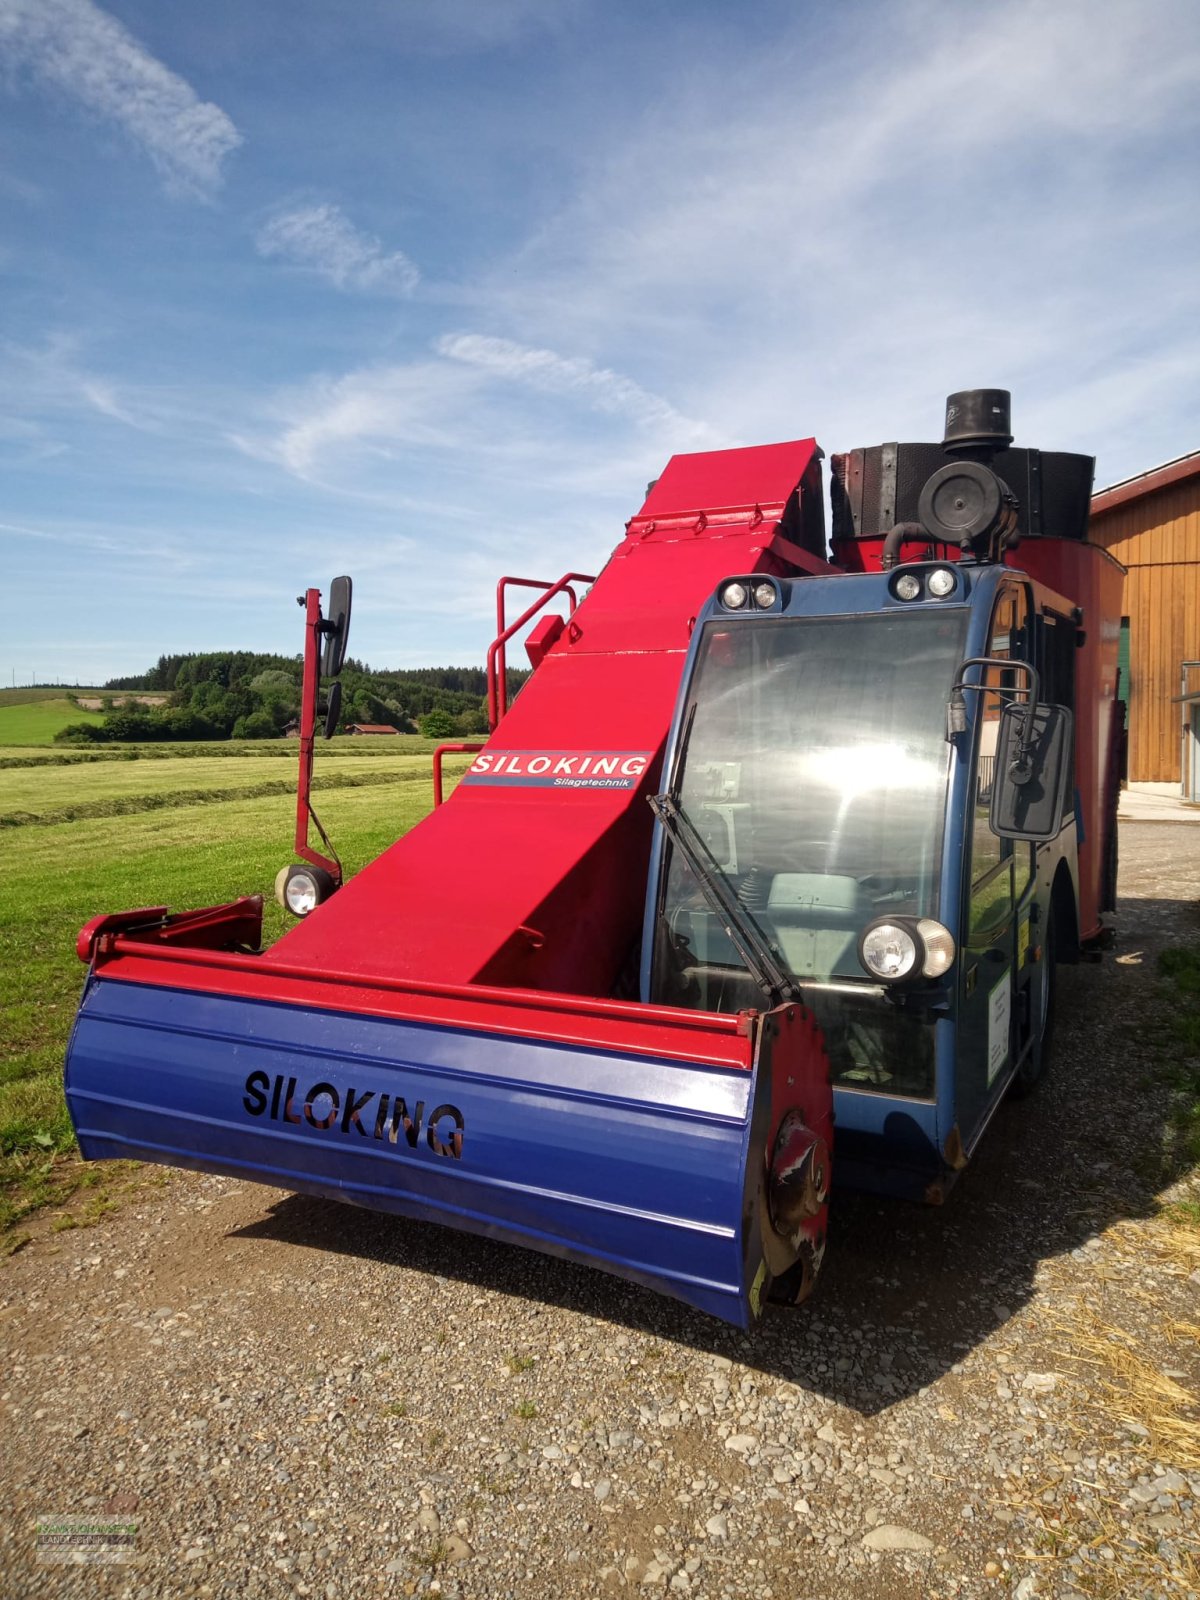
(1151,524)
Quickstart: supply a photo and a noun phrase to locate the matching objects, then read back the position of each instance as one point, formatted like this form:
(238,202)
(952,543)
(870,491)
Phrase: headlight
(888,951)
(894,949)
(734,596)
(301,889)
(765,596)
(940,582)
(906,586)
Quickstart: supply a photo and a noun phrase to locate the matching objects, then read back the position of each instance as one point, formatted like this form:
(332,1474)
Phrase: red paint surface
(1085,576)
(695,1037)
(544,888)
(308,733)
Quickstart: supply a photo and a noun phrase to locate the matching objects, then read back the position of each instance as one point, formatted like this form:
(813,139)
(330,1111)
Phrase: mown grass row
(369,747)
(58,876)
(52,810)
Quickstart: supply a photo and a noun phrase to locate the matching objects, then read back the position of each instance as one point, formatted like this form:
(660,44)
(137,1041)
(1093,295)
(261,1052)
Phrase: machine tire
(1033,1067)
(1111,864)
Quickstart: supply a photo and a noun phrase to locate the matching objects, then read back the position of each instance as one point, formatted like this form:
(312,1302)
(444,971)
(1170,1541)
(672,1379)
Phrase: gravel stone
(295,1398)
(891,1536)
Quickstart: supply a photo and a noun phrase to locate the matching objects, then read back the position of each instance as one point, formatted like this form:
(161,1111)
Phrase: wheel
(1042,999)
(1108,898)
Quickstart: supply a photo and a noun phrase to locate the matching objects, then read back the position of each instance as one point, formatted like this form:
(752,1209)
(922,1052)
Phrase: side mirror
(334,714)
(336,627)
(1032,773)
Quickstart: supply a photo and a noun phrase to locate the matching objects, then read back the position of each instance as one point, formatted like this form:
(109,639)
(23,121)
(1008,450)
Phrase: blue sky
(426,291)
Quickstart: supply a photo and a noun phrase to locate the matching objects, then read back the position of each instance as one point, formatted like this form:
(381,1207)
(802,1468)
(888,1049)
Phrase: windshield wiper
(746,936)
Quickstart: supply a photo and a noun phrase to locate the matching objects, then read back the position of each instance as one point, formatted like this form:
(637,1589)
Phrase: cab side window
(1057,664)
(1009,640)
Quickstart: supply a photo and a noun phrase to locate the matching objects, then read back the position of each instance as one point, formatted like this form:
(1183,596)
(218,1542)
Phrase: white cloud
(322,239)
(379,414)
(877,215)
(138,546)
(550,373)
(49,379)
(382,410)
(103,396)
(905,140)
(80,50)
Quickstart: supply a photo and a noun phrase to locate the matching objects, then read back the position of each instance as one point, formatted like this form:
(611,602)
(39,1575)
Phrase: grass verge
(58,876)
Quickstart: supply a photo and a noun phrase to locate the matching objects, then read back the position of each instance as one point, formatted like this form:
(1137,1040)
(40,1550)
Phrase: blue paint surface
(633,1164)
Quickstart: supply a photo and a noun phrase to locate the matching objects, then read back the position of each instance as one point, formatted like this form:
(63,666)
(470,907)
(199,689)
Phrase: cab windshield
(814,767)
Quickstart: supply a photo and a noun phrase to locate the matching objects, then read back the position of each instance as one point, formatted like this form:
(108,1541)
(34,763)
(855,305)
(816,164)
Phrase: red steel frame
(146,956)
(308,731)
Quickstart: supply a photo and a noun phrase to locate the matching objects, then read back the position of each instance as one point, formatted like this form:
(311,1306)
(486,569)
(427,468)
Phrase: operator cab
(870,807)
(814,768)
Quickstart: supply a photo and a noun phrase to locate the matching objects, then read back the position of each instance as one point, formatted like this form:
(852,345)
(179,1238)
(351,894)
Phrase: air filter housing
(965,503)
(873,488)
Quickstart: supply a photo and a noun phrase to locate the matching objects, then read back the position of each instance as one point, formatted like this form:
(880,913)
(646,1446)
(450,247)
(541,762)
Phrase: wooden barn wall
(1158,539)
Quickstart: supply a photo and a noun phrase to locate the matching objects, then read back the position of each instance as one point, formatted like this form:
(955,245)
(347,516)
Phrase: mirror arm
(1032,689)
(956,706)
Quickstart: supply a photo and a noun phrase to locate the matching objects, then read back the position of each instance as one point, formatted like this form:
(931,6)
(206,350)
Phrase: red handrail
(496,662)
(447,749)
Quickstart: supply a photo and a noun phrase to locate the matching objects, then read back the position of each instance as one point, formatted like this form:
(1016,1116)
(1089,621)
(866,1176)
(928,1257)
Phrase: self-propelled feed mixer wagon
(774,835)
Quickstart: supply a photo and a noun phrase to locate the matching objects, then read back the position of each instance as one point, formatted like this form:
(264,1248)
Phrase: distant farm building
(1151,524)
(373,727)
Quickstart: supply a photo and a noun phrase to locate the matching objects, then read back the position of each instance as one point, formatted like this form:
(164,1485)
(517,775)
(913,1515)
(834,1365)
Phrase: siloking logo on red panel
(560,769)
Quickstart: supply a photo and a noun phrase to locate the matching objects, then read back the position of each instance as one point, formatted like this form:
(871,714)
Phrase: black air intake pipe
(895,538)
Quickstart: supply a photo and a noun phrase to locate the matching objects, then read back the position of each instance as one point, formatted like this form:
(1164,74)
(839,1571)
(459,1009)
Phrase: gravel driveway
(286,1396)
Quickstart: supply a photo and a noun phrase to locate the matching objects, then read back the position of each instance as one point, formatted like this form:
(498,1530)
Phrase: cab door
(998,881)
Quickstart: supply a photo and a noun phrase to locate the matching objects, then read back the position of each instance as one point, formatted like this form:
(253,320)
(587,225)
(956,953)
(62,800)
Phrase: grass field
(58,874)
(366,749)
(35,722)
(40,794)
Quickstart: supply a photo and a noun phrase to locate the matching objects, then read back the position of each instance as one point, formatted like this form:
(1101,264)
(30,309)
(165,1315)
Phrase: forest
(241,694)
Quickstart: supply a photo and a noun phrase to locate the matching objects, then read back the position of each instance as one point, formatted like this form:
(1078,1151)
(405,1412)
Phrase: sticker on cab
(999,1018)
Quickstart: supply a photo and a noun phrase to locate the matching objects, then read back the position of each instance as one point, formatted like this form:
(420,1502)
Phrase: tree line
(243,694)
